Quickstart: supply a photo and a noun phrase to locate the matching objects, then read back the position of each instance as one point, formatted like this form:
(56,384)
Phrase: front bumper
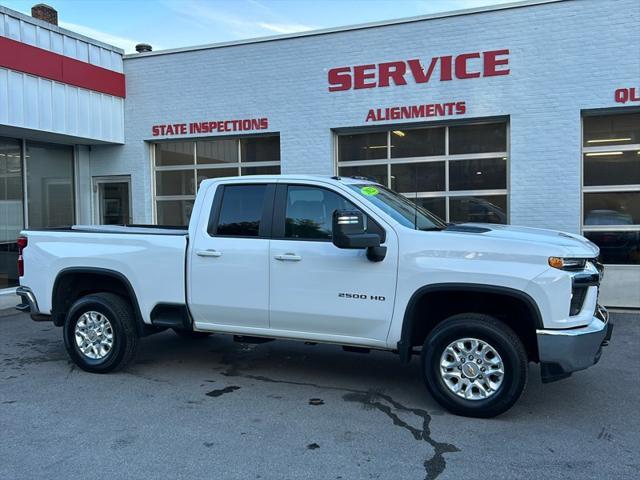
(565,351)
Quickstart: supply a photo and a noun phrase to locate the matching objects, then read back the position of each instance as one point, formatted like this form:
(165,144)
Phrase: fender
(405,349)
(142,327)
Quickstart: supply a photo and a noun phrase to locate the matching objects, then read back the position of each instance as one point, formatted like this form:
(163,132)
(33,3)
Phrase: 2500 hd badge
(362,296)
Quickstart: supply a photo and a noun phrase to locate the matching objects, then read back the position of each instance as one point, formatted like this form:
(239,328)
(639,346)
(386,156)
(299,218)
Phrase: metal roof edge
(347,28)
(63,31)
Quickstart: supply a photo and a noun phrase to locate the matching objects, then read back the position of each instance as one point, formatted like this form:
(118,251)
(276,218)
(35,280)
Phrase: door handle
(288,257)
(208,253)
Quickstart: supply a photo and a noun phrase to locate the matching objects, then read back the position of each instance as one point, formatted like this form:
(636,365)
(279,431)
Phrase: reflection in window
(362,146)
(612,208)
(260,149)
(435,205)
(50,185)
(481,138)
(612,168)
(479,174)
(374,173)
(611,130)
(419,142)
(175,182)
(174,212)
(11,208)
(617,247)
(174,153)
(309,212)
(489,209)
(273,170)
(418,177)
(217,151)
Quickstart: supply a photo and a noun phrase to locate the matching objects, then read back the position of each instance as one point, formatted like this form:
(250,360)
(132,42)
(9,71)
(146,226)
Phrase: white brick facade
(565,57)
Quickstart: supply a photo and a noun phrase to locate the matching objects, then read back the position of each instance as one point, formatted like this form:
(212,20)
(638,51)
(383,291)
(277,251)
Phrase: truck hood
(561,243)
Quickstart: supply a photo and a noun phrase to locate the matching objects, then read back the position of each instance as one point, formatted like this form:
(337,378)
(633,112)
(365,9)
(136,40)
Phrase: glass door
(112,200)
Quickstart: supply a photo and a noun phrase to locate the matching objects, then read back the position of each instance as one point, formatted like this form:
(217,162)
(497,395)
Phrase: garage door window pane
(363,146)
(174,212)
(205,173)
(614,168)
(180,182)
(217,151)
(480,174)
(608,130)
(241,210)
(617,247)
(483,138)
(418,177)
(612,208)
(435,205)
(174,153)
(487,209)
(375,173)
(417,143)
(274,170)
(260,149)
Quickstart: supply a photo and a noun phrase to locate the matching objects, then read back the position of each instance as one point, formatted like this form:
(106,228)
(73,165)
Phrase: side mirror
(349,232)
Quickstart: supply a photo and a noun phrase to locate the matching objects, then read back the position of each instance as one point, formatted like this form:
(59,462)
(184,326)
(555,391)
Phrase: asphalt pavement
(216,409)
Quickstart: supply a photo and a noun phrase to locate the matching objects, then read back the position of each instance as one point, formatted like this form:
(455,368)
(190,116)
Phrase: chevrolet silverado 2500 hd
(334,260)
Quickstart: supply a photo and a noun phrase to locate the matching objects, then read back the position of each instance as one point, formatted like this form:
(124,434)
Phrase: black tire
(190,334)
(120,315)
(499,336)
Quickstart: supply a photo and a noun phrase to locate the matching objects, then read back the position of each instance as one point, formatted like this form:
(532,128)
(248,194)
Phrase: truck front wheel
(100,333)
(474,365)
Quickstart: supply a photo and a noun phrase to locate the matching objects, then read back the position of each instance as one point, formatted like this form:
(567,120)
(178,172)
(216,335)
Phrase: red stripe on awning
(43,63)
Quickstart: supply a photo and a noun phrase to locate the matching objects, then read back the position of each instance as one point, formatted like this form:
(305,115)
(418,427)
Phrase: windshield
(399,207)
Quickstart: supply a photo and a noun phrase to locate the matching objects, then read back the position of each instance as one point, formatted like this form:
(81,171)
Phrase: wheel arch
(75,282)
(412,318)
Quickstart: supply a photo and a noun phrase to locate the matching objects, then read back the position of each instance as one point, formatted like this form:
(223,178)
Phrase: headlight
(568,263)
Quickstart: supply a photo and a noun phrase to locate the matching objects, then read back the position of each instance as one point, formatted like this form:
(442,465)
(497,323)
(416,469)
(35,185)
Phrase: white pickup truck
(334,260)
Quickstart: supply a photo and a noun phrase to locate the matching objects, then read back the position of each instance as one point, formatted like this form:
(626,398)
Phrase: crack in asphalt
(433,465)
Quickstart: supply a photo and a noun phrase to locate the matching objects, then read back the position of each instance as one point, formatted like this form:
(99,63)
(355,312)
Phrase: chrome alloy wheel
(471,368)
(94,335)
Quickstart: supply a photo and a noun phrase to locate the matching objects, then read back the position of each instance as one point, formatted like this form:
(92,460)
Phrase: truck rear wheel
(474,365)
(100,333)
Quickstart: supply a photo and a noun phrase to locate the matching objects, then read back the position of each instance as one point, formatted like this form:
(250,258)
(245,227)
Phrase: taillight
(22,244)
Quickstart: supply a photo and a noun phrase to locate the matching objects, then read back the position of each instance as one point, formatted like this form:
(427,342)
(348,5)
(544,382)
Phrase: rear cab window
(242,211)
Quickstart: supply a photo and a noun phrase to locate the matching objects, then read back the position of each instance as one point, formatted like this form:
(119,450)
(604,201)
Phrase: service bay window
(611,185)
(458,172)
(180,167)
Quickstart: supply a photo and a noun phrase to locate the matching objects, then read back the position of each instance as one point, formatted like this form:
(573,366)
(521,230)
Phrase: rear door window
(241,210)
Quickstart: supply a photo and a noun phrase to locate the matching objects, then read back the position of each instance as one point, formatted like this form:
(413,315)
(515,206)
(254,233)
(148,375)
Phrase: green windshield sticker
(369,191)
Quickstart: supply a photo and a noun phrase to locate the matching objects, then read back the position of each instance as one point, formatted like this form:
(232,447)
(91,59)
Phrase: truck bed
(152,258)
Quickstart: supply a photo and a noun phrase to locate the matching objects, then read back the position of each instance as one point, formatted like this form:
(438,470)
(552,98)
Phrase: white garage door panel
(620,287)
